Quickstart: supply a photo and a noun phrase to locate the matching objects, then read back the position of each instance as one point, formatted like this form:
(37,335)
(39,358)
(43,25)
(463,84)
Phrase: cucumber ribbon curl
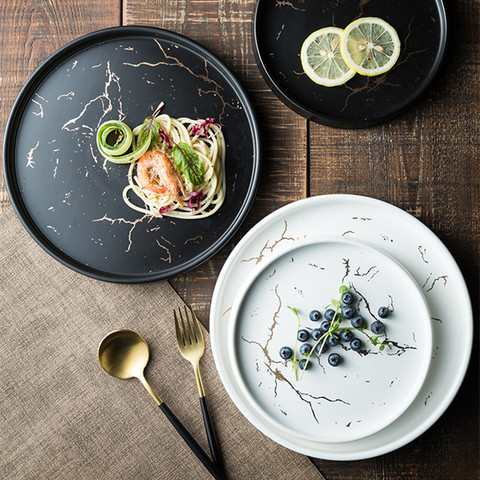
(119,151)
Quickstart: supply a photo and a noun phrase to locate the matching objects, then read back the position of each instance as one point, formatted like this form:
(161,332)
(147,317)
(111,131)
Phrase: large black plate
(70,200)
(280,28)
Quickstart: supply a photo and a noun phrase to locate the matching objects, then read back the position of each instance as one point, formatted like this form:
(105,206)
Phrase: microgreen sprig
(374,339)
(294,360)
(335,324)
(334,330)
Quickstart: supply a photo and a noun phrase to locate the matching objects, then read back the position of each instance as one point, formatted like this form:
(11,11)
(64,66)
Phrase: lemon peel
(322,60)
(370,46)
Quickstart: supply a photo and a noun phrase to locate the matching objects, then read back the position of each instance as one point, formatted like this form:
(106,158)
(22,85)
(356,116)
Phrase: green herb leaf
(343,289)
(189,163)
(335,303)
(293,309)
(149,132)
(382,347)
(294,359)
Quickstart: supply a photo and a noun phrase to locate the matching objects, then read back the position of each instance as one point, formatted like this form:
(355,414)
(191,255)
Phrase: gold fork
(192,346)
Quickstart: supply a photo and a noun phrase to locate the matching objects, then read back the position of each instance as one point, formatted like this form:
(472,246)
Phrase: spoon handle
(192,443)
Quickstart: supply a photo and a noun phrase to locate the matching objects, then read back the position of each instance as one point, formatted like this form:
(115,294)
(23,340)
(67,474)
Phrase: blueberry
(346,335)
(286,353)
(329,314)
(303,335)
(332,341)
(356,344)
(325,326)
(357,321)
(305,349)
(377,327)
(315,315)
(348,311)
(319,347)
(347,298)
(302,364)
(383,312)
(334,359)
(316,334)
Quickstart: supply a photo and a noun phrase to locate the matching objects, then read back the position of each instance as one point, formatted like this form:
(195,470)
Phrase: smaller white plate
(371,388)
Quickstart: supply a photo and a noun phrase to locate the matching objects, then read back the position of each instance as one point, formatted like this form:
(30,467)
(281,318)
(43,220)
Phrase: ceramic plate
(70,199)
(400,236)
(282,26)
(371,387)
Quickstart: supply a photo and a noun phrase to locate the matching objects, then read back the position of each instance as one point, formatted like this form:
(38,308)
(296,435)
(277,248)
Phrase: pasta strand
(211,151)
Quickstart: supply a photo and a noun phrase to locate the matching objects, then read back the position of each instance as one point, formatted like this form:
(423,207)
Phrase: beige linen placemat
(62,416)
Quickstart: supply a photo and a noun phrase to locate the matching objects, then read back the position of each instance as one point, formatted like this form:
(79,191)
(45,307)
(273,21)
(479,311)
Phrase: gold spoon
(124,354)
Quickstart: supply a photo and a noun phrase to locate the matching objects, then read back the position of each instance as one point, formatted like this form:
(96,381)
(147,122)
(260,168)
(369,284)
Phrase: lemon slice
(370,46)
(322,60)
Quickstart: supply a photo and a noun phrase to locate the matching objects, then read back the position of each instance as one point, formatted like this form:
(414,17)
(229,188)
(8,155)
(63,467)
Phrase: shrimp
(155,173)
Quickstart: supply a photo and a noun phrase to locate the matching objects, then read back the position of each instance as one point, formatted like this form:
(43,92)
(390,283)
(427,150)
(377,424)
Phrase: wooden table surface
(425,162)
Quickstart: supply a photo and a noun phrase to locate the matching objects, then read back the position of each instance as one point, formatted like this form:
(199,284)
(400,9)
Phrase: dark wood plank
(225,29)
(34,29)
(426,163)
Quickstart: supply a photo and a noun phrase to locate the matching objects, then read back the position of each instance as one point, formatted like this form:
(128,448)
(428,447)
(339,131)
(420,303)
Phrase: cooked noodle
(211,152)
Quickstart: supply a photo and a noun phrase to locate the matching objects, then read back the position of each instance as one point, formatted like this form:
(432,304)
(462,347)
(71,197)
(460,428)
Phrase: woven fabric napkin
(62,416)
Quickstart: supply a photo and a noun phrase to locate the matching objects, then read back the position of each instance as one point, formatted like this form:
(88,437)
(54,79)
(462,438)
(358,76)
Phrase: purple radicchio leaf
(163,210)
(203,129)
(195,200)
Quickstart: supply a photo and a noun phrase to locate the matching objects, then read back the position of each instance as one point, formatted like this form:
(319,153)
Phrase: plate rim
(313,241)
(451,390)
(333,121)
(36,78)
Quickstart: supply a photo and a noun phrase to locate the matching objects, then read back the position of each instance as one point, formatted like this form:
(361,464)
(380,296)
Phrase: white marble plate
(410,243)
(372,387)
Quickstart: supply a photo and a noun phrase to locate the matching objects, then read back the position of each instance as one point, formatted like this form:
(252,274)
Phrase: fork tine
(186,332)
(180,339)
(190,327)
(196,325)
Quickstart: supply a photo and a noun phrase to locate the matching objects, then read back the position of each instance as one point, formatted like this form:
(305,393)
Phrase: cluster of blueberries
(348,312)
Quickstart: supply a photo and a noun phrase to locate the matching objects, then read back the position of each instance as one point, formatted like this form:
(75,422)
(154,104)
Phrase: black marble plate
(70,199)
(281,27)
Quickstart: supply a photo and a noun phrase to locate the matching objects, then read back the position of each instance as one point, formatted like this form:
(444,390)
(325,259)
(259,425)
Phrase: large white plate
(415,247)
(372,387)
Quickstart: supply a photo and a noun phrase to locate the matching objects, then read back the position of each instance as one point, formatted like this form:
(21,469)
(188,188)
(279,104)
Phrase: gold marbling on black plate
(70,199)
(282,26)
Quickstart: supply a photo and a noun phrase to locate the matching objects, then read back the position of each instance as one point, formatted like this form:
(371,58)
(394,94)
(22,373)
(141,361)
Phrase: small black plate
(70,200)
(281,27)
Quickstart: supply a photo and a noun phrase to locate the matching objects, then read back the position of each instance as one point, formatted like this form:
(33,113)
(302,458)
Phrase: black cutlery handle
(212,438)
(192,443)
